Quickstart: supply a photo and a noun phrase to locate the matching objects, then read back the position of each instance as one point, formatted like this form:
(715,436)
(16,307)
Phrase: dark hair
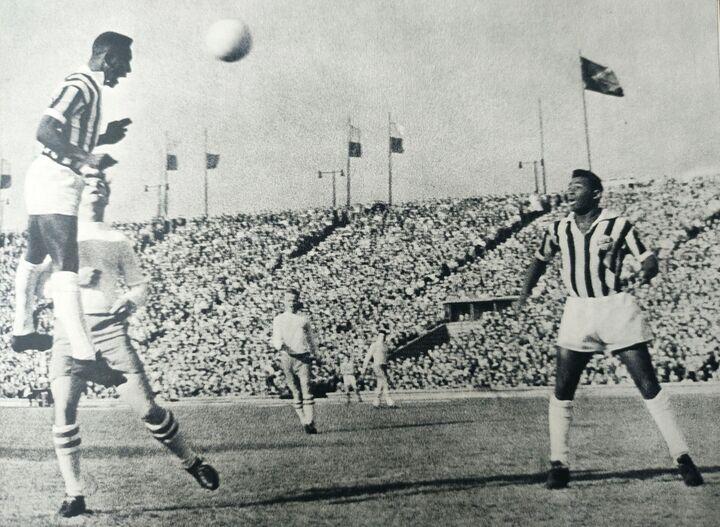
(591,177)
(110,40)
(293,291)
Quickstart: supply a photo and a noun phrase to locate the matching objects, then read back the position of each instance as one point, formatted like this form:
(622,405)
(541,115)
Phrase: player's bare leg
(639,365)
(24,334)
(66,438)
(308,401)
(569,367)
(161,423)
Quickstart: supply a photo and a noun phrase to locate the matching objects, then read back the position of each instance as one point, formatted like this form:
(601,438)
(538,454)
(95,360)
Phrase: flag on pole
(172,162)
(5,177)
(396,139)
(354,145)
(600,78)
(211,160)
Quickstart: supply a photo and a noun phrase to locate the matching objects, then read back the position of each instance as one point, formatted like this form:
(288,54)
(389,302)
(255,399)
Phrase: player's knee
(649,389)
(154,414)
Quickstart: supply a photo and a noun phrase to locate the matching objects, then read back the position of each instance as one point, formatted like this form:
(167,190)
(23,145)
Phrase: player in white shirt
(68,132)
(107,260)
(377,352)
(292,335)
(600,317)
(347,370)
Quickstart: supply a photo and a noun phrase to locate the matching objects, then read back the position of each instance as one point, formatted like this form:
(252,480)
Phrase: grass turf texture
(468,462)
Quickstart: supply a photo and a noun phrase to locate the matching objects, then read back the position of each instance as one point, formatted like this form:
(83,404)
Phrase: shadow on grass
(402,425)
(343,494)
(120,452)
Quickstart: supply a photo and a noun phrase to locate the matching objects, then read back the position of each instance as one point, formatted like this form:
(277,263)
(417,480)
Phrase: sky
(462,77)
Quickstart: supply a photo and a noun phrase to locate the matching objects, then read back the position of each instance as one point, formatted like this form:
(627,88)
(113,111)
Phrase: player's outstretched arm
(534,272)
(115,132)
(50,134)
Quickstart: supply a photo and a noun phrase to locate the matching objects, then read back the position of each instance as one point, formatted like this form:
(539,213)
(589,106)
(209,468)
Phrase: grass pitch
(468,462)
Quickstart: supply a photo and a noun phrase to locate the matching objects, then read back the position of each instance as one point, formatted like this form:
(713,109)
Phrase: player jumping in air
(68,132)
(293,337)
(106,261)
(377,352)
(599,317)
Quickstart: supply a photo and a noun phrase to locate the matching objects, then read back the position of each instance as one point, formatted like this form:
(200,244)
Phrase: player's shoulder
(102,232)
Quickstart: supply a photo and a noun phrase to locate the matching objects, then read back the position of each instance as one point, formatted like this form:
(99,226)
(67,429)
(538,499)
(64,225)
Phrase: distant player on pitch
(68,132)
(106,261)
(349,382)
(377,353)
(292,335)
(600,318)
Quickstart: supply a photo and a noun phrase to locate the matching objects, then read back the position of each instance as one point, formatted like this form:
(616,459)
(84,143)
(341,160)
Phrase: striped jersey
(76,104)
(592,261)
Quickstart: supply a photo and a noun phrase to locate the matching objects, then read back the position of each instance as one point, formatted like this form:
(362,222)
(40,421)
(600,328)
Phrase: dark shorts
(111,342)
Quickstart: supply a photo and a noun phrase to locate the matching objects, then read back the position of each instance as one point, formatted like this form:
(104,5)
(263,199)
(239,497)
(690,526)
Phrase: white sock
(168,433)
(309,410)
(664,416)
(559,419)
(67,450)
(25,284)
(69,311)
(299,410)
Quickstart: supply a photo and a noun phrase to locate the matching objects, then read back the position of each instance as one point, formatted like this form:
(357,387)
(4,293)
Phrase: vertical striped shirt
(76,105)
(592,261)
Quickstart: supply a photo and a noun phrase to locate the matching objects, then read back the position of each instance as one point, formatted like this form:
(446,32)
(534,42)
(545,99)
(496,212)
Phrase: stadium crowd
(215,286)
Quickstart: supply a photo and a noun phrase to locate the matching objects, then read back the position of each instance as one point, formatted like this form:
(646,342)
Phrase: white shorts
(601,324)
(51,188)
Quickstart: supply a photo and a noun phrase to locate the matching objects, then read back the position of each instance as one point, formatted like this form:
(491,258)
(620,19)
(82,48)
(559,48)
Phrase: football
(229,39)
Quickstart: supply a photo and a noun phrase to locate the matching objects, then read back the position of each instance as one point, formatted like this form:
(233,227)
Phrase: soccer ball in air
(229,40)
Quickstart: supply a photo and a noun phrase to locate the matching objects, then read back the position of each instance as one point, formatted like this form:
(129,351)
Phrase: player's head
(383,331)
(95,197)
(112,55)
(291,299)
(584,191)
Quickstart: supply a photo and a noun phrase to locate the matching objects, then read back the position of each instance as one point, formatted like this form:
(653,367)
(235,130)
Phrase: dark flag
(600,78)
(5,177)
(172,162)
(396,139)
(211,160)
(354,145)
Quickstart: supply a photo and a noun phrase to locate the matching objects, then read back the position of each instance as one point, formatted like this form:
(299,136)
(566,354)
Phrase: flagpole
(166,185)
(542,146)
(2,198)
(205,180)
(587,133)
(389,161)
(348,162)
(717,12)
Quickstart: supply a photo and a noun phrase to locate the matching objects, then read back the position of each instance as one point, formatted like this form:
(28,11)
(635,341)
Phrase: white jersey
(293,332)
(111,253)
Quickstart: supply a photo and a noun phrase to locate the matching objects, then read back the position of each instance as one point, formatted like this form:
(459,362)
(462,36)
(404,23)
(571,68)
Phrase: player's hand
(520,303)
(88,276)
(122,308)
(115,132)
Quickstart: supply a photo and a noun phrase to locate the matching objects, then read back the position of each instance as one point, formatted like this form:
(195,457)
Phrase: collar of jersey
(97,76)
(604,215)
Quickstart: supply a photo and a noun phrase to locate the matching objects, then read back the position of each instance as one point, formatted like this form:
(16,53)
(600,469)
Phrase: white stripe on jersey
(77,106)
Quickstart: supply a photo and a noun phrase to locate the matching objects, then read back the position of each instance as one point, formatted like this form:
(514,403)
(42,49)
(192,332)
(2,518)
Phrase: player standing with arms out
(107,260)
(292,335)
(599,317)
(347,370)
(68,132)
(378,354)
